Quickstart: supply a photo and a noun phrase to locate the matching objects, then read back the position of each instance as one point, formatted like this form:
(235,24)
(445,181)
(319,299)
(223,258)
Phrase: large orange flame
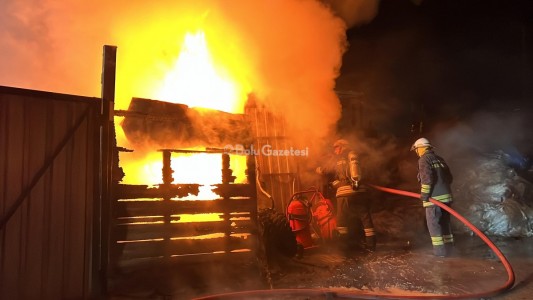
(194,80)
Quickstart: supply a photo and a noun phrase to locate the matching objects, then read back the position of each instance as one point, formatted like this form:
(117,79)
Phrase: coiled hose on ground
(344,294)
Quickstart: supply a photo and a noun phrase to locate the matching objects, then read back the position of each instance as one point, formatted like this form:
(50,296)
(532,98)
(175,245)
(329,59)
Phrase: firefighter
(435,181)
(353,201)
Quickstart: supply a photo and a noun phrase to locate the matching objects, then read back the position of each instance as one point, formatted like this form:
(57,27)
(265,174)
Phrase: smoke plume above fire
(287,53)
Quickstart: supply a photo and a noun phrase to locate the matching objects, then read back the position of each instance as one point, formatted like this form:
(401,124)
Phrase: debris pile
(491,193)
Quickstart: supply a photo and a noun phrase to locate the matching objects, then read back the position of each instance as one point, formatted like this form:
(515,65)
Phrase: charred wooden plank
(171,125)
(234,190)
(187,246)
(152,231)
(129,191)
(162,208)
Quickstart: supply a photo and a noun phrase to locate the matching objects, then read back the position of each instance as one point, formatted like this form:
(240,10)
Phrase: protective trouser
(439,226)
(356,206)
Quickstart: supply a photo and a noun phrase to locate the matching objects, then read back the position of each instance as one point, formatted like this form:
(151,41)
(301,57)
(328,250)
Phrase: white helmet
(421,142)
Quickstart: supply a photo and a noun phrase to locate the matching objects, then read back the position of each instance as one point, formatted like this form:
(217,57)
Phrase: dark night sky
(442,60)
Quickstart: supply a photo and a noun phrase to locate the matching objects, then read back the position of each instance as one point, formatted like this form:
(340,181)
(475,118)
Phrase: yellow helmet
(421,142)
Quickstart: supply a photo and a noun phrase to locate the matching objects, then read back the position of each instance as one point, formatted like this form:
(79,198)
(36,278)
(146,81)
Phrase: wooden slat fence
(168,230)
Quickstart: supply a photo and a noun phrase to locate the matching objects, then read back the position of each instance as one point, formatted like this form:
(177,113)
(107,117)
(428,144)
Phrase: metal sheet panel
(278,175)
(48,161)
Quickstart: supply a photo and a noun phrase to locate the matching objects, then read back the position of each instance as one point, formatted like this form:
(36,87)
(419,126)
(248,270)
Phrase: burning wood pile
(171,125)
(173,219)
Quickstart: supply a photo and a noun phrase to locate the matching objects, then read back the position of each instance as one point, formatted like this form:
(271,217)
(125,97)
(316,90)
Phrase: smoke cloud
(354,12)
(484,133)
(288,53)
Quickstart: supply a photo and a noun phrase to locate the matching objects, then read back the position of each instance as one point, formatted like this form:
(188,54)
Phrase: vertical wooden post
(167,168)
(227,179)
(167,182)
(106,158)
(251,178)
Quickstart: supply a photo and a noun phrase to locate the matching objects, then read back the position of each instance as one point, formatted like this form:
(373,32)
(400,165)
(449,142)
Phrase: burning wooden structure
(151,227)
(170,125)
(154,223)
(98,223)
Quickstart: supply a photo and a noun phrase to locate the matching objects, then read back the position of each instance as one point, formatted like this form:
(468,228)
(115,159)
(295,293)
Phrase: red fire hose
(340,294)
(510,273)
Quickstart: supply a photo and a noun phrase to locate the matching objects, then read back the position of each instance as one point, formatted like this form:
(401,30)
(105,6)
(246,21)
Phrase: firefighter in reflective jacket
(435,179)
(353,200)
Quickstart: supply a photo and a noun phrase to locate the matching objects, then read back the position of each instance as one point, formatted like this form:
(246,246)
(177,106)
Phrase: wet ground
(397,269)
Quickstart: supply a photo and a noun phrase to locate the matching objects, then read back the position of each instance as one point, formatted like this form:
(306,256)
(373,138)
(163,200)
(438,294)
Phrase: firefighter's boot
(341,237)
(370,243)
(449,249)
(439,250)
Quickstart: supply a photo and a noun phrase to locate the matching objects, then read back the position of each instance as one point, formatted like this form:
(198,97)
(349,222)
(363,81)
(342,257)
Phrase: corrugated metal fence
(48,176)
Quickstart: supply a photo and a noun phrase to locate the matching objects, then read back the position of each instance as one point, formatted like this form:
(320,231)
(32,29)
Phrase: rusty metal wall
(48,165)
